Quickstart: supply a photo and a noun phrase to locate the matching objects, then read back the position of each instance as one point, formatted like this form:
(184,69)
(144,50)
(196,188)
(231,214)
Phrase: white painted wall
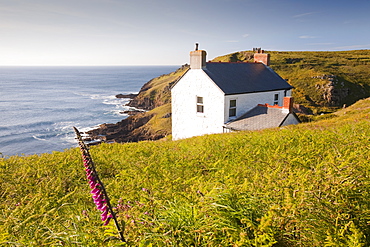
(245,102)
(186,122)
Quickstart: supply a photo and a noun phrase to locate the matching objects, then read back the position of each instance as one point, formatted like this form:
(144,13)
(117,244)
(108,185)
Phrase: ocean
(39,105)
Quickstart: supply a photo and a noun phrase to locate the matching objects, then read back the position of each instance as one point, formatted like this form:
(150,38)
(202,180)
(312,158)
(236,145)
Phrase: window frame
(199,105)
(276,99)
(232,108)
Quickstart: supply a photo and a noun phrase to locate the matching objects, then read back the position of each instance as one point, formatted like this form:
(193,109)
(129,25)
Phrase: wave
(108,100)
(31,125)
(67,134)
(38,138)
(119,112)
(64,126)
(115,101)
(100,96)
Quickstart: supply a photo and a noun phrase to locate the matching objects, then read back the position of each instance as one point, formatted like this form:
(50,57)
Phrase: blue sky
(162,32)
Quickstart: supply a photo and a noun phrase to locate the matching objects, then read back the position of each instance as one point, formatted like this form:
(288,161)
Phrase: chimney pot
(261,57)
(197,58)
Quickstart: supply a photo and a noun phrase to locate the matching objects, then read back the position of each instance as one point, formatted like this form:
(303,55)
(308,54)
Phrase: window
(200,106)
(276,99)
(232,108)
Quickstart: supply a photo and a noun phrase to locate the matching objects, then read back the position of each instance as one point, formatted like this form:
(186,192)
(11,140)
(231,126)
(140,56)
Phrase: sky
(163,32)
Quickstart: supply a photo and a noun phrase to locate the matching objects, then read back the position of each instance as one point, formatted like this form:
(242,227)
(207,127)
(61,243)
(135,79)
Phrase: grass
(157,92)
(303,185)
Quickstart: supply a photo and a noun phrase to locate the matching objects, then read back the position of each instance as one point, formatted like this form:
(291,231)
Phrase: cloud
(304,14)
(307,37)
(245,35)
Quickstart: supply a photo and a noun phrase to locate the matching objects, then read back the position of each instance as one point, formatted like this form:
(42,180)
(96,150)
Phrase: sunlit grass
(304,185)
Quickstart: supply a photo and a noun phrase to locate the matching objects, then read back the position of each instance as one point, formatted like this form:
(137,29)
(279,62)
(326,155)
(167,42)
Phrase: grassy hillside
(303,185)
(156,92)
(322,80)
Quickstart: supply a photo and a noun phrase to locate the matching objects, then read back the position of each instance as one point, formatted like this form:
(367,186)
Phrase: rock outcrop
(334,91)
(126,96)
(300,109)
(128,130)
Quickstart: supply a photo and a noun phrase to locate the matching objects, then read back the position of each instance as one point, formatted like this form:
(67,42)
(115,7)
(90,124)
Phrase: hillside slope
(302,185)
(323,81)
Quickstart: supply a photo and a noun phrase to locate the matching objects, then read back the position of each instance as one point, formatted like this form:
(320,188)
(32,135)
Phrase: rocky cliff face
(144,100)
(334,91)
(130,129)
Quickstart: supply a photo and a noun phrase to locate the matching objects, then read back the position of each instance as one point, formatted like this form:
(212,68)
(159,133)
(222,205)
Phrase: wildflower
(98,191)
(84,213)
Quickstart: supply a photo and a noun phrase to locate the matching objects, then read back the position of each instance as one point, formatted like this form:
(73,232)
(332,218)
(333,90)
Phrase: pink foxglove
(98,192)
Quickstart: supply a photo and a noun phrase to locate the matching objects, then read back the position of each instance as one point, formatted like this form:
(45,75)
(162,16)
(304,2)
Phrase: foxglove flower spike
(98,192)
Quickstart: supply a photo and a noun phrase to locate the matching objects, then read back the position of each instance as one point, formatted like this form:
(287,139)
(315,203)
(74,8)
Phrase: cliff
(157,92)
(154,124)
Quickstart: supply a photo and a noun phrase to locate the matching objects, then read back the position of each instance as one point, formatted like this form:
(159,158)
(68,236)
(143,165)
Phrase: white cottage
(214,97)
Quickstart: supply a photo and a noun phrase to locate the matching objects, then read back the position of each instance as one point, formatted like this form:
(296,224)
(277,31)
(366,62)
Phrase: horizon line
(83,65)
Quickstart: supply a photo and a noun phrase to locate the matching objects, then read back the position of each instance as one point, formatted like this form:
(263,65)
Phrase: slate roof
(238,78)
(259,117)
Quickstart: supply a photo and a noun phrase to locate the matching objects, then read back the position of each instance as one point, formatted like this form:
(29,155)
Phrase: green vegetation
(157,92)
(302,185)
(323,81)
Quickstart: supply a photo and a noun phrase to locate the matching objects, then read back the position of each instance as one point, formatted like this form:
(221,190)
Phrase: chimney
(197,58)
(288,104)
(261,57)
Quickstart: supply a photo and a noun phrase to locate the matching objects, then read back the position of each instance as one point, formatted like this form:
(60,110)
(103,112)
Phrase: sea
(40,105)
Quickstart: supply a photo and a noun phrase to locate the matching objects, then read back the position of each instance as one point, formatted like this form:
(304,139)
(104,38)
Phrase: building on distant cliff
(217,97)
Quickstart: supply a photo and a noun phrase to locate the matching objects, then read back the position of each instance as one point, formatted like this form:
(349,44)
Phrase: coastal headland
(324,82)
(149,117)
